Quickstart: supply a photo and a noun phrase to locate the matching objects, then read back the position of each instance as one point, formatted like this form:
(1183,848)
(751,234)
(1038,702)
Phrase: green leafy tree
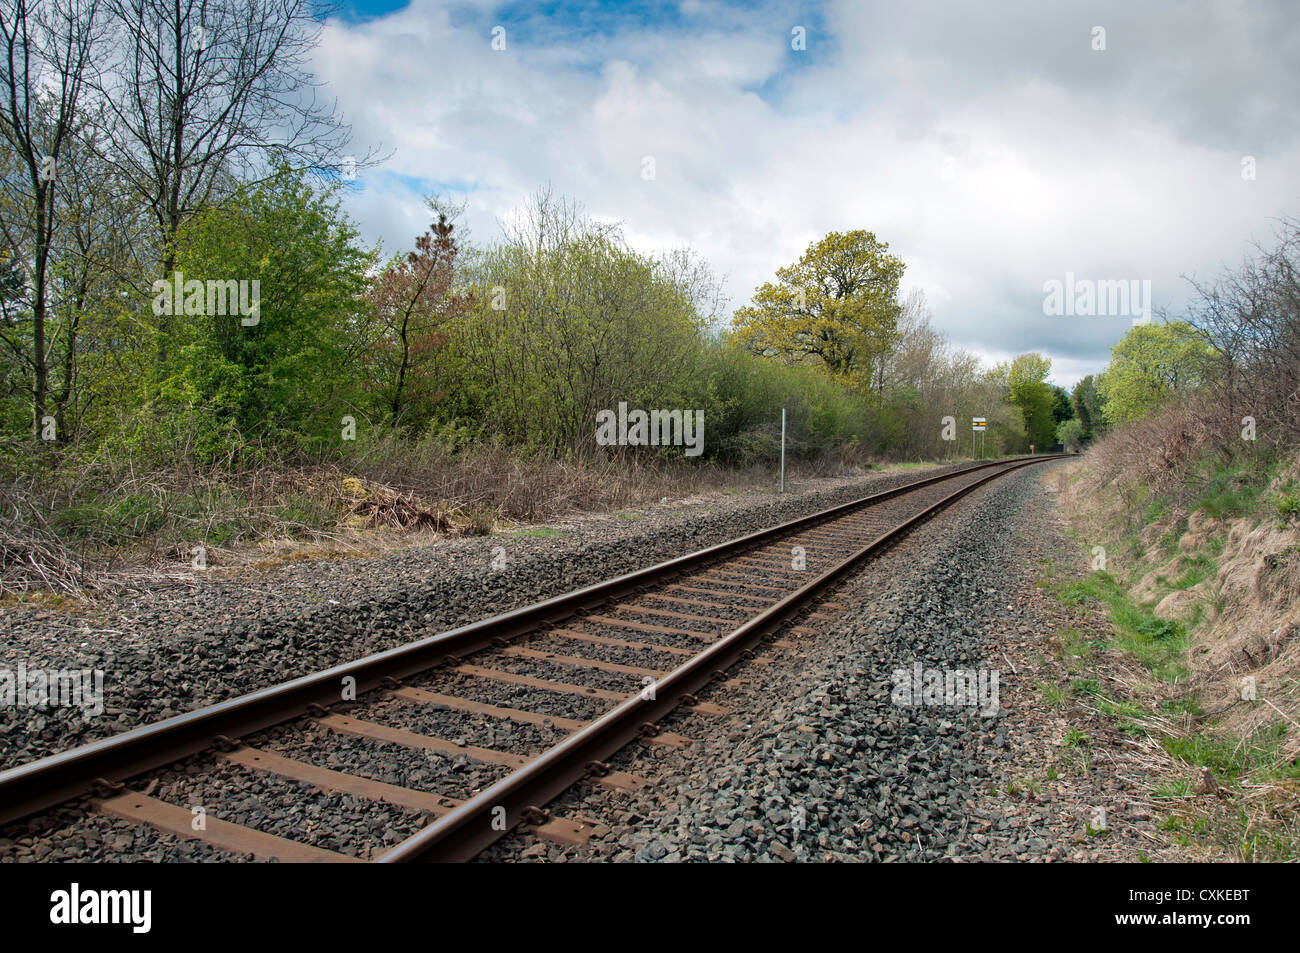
(1062,409)
(1069,433)
(836,308)
(1087,407)
(1028,390)
(568,320)
(747,394)
(282,374)
(1151,364)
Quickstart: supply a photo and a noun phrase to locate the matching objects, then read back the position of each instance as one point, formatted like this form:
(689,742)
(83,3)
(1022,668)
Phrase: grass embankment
(1197,574)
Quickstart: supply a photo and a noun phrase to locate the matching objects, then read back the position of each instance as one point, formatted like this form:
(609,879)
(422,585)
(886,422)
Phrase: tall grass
(67,518)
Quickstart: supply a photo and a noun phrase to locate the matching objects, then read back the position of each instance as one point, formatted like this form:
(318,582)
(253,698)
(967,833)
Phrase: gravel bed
(457,777)
(676,640)
(481,731)
(348,825)
(643,658)
(72,834)
(817,760)
(624,682)
(356,827)
(539,700)
(173,650)
(733,607)
(714,590)
(666,621)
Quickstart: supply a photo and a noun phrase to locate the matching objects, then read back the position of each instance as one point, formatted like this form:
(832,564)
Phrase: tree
(206,93)
(1062,409)
(100,226)
(836,307)
(925,380)
(12,311)
(45,61)
(1150,364)
(413,304)
(1028,390)
(1251,317)
(1087,407)
(285,369)
(569,320)
(1069,434)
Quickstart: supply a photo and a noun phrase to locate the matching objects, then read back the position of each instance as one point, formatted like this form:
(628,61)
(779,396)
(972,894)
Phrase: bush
(1069,433)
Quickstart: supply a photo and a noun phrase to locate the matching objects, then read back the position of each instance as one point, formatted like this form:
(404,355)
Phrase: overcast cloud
(989,144)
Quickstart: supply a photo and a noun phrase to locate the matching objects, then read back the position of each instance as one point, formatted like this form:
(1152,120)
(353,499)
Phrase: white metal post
(782,449)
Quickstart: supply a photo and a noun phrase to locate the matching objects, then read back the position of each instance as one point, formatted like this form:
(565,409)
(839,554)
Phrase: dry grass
(84,526)
(1173,501)
(531,489)
(32,556)
(378,506)
(1158,453)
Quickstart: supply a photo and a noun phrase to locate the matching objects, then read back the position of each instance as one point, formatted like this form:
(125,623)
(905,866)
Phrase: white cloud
(1122,164)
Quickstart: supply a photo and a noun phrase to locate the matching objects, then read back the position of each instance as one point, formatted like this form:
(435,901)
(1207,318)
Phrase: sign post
(782,449)
(977,425)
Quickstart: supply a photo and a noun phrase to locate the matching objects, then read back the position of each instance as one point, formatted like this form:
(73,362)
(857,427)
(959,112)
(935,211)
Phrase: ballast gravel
(817,760)
(822,759)
(174,650)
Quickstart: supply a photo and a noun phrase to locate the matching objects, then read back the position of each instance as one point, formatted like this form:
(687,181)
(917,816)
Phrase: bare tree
(99,255)
(1251,316)
(207,92)
(45,64)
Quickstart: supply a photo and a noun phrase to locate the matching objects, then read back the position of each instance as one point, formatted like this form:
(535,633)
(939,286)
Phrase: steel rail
(47,782)
(463,833)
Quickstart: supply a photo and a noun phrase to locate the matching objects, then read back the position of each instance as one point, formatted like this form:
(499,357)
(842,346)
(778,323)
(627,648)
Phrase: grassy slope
(1198,579)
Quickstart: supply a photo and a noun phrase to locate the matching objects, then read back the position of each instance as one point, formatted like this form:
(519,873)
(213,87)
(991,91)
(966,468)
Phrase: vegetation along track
(536,699)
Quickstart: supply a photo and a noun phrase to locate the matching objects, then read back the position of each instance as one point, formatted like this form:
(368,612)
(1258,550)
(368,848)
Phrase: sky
(996,147)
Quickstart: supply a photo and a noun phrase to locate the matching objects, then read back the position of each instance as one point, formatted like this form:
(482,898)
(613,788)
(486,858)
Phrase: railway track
(556,688)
